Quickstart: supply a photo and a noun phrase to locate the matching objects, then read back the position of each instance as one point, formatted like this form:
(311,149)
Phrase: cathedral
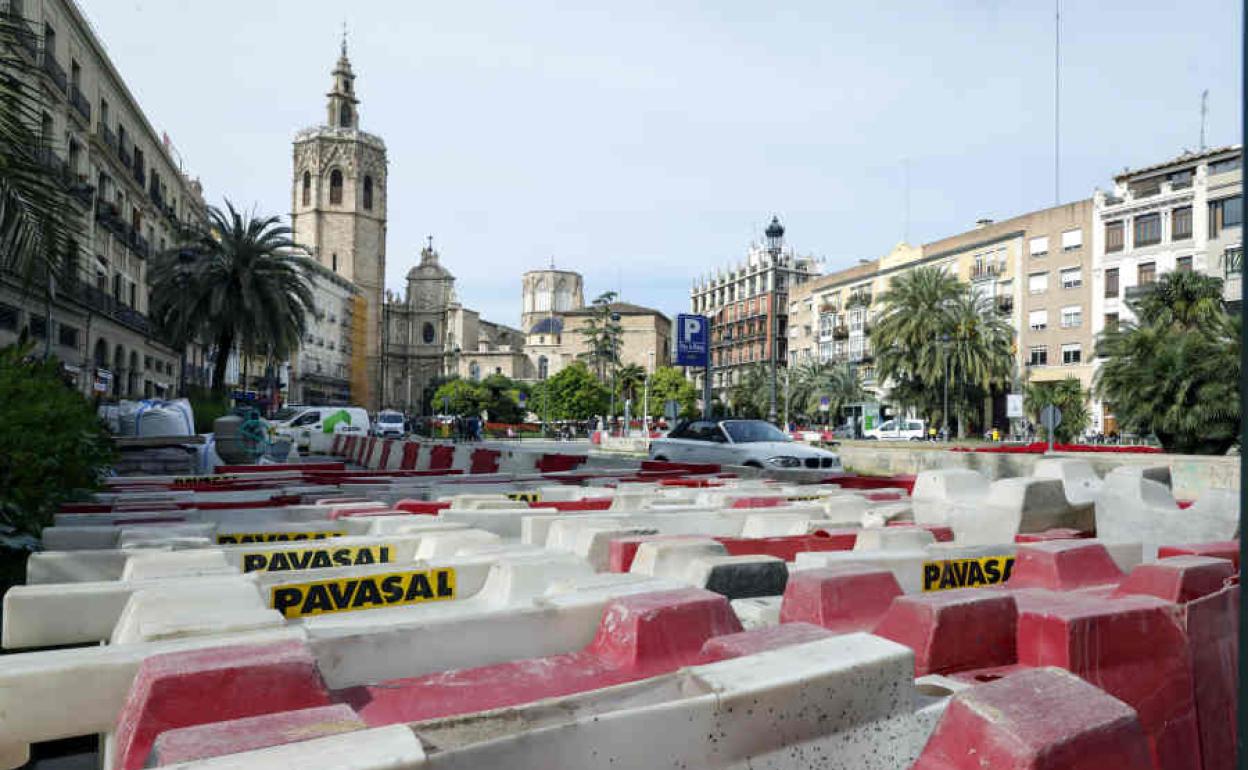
(379,349)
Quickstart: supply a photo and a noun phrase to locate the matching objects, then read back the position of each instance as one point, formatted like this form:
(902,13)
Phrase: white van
(389,424)
(899,429)
(313,427)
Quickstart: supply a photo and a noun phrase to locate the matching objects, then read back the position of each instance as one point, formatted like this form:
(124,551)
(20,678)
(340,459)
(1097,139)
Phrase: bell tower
(338,211)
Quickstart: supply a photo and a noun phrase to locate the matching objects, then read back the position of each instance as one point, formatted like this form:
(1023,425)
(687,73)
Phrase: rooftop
(1186,157)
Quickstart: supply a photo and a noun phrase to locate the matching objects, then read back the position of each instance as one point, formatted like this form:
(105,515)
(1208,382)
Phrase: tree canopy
(1174,372)
(571,394)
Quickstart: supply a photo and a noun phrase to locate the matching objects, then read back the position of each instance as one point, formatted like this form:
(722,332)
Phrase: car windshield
(748,431)
(285,413)
(390,418)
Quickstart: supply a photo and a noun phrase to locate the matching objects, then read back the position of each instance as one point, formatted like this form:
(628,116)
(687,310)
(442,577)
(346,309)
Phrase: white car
(739,442)
(899,429)
(389,424)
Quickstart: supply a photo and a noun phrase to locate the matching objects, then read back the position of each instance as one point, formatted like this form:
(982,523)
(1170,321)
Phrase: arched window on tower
(307,188)
(335,186)
(344,116)
(368,193)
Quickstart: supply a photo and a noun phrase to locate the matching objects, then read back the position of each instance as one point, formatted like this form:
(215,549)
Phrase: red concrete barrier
(485,461)
(220,738)
(1042,719)
(593,504)
(182,689)
(855,481)
(1059,533)
(640,636)
(1225,549)
(427,507)
(759,502)
(844,598)
(441,457)
(954,631)
(1063,565)
(760,640)
(690,468)
(411,451)
(787,547)
(1134,648)
(1178,579)
(1212,624)
(386,446)
(335,447)
(559,463)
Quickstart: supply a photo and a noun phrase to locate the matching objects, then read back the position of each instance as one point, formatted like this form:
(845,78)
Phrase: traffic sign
(1014,405)
(523,397)
(1050,417)
(825,404)
(692,340)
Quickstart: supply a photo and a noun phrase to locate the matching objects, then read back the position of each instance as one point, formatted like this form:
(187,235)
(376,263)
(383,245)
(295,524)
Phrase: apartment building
(748,306)
(129,195)
(1183,214)
(320,372)
(828,316)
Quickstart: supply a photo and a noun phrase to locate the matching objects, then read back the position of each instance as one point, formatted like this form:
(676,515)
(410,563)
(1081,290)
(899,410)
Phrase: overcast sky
(645,142)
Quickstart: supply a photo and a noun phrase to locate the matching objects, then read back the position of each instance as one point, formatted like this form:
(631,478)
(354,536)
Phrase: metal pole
(706,389)
(771,345)
(786,399)
(645,408)
(944,415)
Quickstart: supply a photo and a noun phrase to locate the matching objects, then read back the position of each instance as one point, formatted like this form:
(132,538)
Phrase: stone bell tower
(338,211)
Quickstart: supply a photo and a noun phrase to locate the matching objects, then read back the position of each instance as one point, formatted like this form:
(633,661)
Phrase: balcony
(53,69)
(82,191)
(103,302)
(1135,292)
(106,136)
(858,299)
(1005,306)
(53,162)
(138,244)
(986,272)
(79,103)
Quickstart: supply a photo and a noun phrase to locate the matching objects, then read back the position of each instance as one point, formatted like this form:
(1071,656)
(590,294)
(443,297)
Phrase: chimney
(980,224)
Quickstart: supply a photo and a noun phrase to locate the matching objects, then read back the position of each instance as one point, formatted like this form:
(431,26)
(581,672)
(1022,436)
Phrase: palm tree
(749,397)
(238,285)
(915,315)
(812,382)
(35,234)
(629,381)
(1068,396)
(977,348)
(1175,372)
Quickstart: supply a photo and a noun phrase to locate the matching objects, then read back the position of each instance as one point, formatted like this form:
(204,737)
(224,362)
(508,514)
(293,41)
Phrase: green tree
(571,394)
(812,382)
(238,284)
(1175,372)
(460,397)
(502,399)
(36,237)
(602,337)
(750,397)
(630,381)
(1068,396)
(934,329)
(427,403)
(55,447)
(670,384)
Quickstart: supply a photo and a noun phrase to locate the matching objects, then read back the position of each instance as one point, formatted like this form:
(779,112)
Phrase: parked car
(739,442)
(389,424)
(899,429)
(302,422)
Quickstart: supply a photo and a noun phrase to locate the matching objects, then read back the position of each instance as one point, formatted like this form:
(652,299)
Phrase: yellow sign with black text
(966,573)
(234,538)
(316,558)
(525,497)
(363,593)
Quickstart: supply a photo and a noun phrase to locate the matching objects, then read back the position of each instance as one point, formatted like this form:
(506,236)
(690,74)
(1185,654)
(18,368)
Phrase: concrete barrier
(1132,506)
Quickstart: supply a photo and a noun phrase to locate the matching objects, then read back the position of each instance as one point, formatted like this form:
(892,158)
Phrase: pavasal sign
(966,573)
(363,593)
(234,538)
(315,558)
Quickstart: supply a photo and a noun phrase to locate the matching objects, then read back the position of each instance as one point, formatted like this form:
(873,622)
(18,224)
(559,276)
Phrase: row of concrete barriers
(487,615)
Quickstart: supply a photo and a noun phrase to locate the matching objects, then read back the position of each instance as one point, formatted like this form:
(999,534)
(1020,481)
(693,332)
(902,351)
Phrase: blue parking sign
(692,340)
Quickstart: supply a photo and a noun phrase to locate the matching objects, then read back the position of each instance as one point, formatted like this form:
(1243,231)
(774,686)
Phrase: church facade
(379,349)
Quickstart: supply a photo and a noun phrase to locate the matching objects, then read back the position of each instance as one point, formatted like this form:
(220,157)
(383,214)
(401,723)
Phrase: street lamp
(645,407)
(775,244)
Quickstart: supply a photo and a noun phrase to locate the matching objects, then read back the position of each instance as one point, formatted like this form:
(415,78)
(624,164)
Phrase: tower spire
(341,111)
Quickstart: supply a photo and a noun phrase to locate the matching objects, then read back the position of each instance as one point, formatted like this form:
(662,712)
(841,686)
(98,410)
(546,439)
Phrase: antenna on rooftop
(1057,102)
(1204,112)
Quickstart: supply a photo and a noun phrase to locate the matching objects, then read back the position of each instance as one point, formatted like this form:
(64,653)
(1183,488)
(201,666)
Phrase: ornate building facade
(338,211)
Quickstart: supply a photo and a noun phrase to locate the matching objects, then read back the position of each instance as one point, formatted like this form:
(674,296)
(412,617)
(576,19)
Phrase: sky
(645,143)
